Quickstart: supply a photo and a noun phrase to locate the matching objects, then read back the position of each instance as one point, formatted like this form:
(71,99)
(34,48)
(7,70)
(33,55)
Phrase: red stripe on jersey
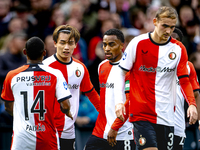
(41,96)
(193,77)
(144,90)
(101,119)
(61,67)
(58,115)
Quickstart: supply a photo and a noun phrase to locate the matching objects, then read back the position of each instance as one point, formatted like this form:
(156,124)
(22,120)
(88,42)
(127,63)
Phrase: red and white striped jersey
(33,89)
(179,128)
(107,115)
(153,70)
(78,79)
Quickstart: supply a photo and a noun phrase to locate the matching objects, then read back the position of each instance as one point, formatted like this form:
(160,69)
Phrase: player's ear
(24,51)
(155,21)
(121,46)
(44,52)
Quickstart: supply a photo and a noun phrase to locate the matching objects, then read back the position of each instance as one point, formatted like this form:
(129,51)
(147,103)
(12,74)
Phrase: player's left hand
(192,114)
(111,138)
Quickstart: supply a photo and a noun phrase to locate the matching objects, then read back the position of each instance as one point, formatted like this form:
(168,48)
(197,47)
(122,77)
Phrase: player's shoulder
(50,70)
(79,63)
(49,60)
(16,71)
(104,62)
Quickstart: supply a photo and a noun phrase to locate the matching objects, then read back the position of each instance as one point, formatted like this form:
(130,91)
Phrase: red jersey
(33,89)
(107,116)
(78,79)
(153,70)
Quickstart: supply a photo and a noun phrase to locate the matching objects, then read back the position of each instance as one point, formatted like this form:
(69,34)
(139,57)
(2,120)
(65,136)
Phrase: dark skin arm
(65,108)
(9,107)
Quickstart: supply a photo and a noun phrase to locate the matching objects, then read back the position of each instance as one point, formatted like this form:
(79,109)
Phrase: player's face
(164,28)
(112,48)
(65,47)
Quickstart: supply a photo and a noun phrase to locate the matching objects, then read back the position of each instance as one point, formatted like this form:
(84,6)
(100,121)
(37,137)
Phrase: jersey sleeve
(193,77)
(7,93)
(118,123)
(62,91)
(184,81)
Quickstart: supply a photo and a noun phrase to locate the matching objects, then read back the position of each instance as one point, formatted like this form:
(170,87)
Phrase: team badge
(172,55)
(78,72)
(65,85)
(142,140)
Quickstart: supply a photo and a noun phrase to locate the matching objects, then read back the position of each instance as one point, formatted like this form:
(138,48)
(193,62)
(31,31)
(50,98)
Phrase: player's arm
(65,108)
(119,91)
(187,90)
(112,134)
(9,107)
(94,98)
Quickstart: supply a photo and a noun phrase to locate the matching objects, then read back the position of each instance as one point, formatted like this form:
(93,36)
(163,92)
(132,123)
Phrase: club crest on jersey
(78,72)
(65,85)
(172,55)
(142,140)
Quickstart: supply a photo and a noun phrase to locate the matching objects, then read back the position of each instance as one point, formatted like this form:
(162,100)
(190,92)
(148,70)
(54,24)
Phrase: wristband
(199,122)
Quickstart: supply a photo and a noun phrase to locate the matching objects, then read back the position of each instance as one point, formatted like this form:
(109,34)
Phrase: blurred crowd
(22,19)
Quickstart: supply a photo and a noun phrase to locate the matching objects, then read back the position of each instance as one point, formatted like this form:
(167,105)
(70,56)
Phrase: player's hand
(69,115)
(120,111)
(111,138)
(192,114)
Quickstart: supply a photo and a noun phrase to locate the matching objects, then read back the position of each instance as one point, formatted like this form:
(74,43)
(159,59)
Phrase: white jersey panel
(21,126)
(74,83)
(125,132)
(165,89)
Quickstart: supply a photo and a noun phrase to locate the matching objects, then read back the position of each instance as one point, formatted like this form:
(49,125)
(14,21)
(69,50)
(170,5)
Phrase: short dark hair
(179,32)
(34,48)
(116,32)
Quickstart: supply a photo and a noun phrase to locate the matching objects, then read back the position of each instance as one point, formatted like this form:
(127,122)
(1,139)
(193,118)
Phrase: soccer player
(179,127)
(113,40)
(154,60)
(76,74)
(29,93)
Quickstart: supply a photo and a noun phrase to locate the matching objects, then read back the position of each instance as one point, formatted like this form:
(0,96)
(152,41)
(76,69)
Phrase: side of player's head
(177,34)
(34,48)
(67,29)
(116,32)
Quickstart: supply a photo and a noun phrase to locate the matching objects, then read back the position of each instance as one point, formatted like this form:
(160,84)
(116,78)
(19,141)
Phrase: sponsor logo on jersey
(33,78)
(172,55)
(158,69)
(107,85)
(144,52)
(65,85)
(124,56)
(78,73)
(37,128)
(74,86)
(142,140)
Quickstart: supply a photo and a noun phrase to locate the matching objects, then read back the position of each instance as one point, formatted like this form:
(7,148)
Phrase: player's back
(34,91)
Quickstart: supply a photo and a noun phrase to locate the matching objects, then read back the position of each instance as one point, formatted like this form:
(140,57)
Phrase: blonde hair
(166,12)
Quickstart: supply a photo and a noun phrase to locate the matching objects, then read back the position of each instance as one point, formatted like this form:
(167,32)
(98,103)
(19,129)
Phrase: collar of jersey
(159,43)
(63,62)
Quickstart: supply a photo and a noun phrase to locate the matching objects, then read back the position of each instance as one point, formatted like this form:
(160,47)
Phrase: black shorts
(178,142)
(153,135)
(96,143)
(67,144)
